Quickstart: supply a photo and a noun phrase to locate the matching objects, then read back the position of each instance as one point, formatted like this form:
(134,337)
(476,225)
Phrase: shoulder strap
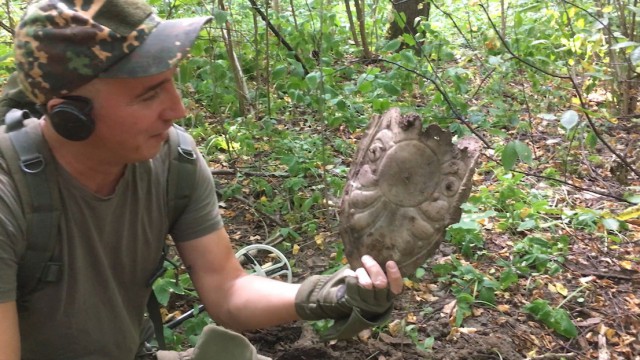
(31,166)
(182,173)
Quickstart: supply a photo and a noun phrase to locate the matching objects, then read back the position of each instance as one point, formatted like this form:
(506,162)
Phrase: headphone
(72,118)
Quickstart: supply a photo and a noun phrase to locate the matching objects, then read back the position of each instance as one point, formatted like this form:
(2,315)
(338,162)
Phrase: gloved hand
(216,343)
(340,297)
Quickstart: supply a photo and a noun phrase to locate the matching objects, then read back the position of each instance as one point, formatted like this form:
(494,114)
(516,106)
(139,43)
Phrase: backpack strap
(182,173)
(31,166)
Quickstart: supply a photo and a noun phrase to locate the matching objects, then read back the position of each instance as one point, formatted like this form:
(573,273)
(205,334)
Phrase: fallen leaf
(320,240)
(364,335)
(589,322)
(562,289)
(587,279)
(626,264)
(503,308)
(448,309)
(629,213)
(467,330)
(395,328)
(412,318)
(408,283)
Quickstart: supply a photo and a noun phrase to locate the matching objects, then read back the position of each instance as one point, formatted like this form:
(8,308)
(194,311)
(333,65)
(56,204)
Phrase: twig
(592,125)
(504,43)
(278,35)
(445,96)
(601,193)
(486,143)
(7,28)
(454,23)
(553,356)
(247,173)
(583,106)
(251,205)
(602,274)
(484,80)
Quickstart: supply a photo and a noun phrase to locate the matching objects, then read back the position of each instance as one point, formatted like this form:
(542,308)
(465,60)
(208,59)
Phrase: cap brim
(167,44)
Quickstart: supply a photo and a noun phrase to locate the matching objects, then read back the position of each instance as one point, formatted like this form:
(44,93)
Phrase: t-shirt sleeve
(11,231)
(202,216)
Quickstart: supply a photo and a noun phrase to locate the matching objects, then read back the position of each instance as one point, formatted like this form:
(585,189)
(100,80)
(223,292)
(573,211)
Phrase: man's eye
(150,95)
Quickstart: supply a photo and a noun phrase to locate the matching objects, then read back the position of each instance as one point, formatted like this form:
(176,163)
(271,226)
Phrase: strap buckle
(186,152)
(32,164)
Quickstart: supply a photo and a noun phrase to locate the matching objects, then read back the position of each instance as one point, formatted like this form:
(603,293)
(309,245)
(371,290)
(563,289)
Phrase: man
(102,72)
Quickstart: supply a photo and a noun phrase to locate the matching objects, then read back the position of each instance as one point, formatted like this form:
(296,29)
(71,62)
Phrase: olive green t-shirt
(110,247)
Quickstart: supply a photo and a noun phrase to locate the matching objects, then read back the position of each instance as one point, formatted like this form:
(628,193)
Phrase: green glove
(340,297)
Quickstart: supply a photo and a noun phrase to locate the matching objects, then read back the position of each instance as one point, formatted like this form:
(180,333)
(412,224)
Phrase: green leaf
(463,305)
(313,79)
(278,72)
(392,45)
(611,224)
(556,319)
(509,156)
(390,89)
(408,57)
(524,152)
(527,225)
(508,278)
(162,291)
(592,139)
(220,16)
(624,45)
(569,119)
(514,150)
(635,198)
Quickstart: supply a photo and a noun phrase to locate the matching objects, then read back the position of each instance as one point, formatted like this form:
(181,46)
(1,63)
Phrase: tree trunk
(352,26)
(412,9)
(293,14)
(363,34)
(241,86)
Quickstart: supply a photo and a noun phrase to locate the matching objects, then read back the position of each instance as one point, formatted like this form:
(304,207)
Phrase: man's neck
(89,166)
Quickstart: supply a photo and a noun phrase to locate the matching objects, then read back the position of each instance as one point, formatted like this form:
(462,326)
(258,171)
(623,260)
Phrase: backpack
(28,158)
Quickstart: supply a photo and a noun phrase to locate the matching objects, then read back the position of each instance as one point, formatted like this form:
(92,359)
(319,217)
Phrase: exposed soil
(489,333)
(507,333)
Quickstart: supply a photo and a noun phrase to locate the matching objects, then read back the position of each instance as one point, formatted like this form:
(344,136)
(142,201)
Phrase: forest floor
(607,312)
(598,285)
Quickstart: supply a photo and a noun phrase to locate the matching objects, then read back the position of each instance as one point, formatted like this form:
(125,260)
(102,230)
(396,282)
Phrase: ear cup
(72,118)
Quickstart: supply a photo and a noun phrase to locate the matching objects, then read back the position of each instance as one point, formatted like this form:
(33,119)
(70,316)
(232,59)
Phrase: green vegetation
(549,86)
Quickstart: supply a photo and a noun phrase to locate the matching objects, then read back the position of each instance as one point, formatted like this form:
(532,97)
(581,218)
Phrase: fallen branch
(603,274)
(247,173)
(553,356)
(251,205)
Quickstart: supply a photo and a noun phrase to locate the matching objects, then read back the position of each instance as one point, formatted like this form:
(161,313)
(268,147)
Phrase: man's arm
(232,298)
(9,332)
(240,301)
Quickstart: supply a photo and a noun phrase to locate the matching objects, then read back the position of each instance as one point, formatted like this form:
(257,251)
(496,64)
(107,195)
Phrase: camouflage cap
(61,45)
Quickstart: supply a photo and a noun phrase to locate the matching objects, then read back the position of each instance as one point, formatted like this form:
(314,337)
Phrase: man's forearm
(255,302)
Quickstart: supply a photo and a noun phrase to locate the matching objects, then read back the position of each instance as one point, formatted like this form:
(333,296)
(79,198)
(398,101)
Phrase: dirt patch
(425,312)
